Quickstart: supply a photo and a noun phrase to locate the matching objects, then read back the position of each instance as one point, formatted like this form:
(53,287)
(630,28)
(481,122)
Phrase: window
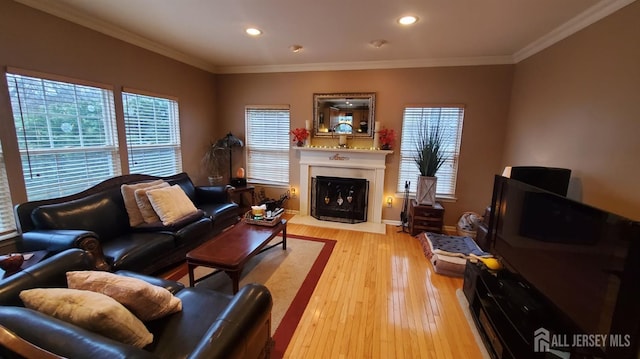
(66,135)
(414,118)
(267,147)
(7,222)
(153,134)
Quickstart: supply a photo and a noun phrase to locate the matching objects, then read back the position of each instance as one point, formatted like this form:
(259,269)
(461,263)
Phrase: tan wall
(575,105)
(485,91)
(32,40)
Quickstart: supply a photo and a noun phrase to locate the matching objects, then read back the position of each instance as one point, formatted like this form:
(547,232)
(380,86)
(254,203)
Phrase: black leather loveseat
(96,220)
(210,325)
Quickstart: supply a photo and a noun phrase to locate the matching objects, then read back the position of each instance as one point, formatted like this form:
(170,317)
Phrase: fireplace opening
(339,199)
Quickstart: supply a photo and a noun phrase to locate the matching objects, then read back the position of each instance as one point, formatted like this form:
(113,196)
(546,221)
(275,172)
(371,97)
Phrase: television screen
(573,254)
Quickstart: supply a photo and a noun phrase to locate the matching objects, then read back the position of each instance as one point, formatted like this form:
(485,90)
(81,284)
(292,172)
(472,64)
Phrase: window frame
(8,226)
(174,143)
(407,169)
(105,141)
(253,173)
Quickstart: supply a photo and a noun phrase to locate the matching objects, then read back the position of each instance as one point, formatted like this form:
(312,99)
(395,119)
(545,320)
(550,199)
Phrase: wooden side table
(34,257)
(238,195)
(425,218)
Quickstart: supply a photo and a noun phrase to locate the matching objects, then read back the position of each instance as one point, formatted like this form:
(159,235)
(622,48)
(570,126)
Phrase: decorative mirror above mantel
(350,114)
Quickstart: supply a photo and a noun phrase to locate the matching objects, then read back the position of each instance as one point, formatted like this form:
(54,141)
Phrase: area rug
(290,275)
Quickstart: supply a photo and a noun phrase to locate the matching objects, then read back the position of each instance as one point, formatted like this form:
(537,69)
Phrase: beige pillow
(92,311)
(148,213)
(130,204)
(171,204)
(144,300)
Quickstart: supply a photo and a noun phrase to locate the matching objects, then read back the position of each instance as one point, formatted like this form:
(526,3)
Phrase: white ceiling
(335,34)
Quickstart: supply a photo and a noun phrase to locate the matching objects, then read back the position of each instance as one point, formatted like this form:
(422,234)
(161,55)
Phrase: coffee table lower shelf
(230,250)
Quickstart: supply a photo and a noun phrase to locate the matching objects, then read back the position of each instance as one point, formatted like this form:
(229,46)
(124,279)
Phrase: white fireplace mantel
(350,163)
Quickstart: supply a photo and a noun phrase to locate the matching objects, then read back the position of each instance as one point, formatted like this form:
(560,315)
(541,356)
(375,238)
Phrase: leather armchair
(210,325)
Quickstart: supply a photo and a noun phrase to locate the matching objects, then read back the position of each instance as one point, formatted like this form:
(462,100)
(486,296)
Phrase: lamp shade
(229,141)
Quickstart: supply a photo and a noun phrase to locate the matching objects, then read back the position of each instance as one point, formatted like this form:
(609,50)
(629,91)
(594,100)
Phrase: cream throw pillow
(92,311)
(130,204)
(144,300)
(171,204)
(148,213)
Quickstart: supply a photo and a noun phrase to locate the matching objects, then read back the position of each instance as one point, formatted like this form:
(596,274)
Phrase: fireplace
(368,165)
(339,199)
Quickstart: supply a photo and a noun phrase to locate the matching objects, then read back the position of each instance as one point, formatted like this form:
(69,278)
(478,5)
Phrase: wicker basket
(467,231)
(248,218)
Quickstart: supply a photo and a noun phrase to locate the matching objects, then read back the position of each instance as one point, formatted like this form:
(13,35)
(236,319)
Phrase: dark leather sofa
(210,325)
(96,220)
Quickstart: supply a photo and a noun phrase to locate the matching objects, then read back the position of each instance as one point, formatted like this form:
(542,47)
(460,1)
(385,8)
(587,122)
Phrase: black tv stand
(507,313)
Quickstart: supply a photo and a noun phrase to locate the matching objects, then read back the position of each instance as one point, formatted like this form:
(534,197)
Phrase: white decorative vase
(215,180)
(426,191)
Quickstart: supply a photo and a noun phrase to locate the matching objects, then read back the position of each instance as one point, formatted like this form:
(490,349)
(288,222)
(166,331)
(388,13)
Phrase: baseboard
(450,229)
(385,221)
(446,229)
(464,305)
(392,222)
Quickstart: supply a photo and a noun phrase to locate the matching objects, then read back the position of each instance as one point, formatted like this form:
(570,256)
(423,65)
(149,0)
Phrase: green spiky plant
(429,146)
(214,159)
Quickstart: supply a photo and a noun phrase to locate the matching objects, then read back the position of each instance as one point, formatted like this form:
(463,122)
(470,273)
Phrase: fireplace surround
(346,163)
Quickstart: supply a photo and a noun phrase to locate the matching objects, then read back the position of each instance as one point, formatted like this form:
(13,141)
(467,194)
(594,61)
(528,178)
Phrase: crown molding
(369,65)
(591,15)
(586,18)
(55,9)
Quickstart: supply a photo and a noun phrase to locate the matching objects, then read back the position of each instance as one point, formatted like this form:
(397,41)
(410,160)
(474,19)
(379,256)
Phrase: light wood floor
(379,297)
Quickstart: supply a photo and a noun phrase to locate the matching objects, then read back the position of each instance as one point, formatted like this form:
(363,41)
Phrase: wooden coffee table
(230,250)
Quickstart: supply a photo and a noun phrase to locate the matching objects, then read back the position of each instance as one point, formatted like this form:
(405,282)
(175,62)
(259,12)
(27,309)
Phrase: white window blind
(7,222)
(267,144)
(66,135)
(450,120)
(153,134)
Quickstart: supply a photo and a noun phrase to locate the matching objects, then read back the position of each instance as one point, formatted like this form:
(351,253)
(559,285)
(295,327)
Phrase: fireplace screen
(339,199)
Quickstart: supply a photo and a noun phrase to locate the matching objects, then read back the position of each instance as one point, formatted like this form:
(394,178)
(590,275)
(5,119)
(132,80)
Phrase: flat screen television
(582,261)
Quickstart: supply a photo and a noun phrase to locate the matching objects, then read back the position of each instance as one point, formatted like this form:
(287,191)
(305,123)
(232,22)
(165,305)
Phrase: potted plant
(429,158)
(213,161)
(299,136)
(387,138)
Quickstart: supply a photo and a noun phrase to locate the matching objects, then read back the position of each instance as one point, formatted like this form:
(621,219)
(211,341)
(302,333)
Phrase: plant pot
(426,191)
(215,180)
(300,143)
(11,263)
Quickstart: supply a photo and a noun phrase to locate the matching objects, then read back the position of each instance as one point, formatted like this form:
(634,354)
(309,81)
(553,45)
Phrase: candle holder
(376,140)
(342,141)
(376,137)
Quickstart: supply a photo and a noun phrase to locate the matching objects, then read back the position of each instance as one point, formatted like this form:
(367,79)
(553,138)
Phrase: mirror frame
(317,97)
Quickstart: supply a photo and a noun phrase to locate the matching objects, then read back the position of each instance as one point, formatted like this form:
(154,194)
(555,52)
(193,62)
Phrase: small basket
(248,218)
(468,224)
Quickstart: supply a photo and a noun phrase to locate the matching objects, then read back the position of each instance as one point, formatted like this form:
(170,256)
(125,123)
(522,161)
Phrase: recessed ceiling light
(295,48)
(253,31)
(407,20)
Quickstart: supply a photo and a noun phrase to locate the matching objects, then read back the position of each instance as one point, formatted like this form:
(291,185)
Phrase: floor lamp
(230,141)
